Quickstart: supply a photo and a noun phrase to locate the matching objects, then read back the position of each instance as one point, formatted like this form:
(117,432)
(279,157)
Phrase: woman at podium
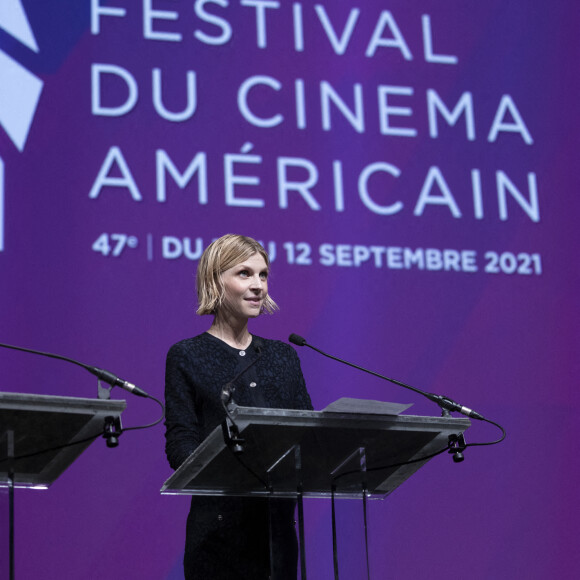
(227,537)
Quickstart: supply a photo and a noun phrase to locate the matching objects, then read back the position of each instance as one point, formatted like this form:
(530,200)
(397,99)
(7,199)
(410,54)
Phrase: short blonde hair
(221,255)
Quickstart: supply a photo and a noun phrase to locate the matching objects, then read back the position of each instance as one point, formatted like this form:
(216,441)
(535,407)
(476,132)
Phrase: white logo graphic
(19,88)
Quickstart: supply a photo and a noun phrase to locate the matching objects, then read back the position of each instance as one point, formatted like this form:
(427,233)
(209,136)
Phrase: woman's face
(245,287)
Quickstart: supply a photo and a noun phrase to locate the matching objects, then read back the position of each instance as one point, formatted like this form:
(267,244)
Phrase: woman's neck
(234,333)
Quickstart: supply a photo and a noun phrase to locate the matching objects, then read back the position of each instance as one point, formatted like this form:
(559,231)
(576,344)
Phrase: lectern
(41,435)
(288,453)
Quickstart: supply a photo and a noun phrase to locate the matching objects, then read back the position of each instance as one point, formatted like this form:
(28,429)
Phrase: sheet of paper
(365,406)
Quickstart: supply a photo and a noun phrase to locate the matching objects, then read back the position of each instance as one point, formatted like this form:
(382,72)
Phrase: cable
(403,463)
(490,442)
(91,438)
(149,425)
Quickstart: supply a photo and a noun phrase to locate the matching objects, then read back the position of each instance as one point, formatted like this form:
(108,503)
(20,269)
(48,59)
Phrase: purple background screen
(410,167)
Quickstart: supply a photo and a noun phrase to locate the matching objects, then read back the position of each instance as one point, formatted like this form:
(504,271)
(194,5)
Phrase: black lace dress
(228,538)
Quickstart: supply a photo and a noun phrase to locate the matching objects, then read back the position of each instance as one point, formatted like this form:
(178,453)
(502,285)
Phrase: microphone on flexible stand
(445,403)
(231,432)
(101,374)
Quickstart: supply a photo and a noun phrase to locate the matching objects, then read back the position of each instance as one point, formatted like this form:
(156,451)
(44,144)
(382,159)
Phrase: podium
(41,435)
(296,454)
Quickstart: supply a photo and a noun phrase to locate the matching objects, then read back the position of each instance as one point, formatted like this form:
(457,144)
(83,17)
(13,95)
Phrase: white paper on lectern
(366,407)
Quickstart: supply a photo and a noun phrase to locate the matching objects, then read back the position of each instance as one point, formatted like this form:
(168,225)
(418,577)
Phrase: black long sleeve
(197,369)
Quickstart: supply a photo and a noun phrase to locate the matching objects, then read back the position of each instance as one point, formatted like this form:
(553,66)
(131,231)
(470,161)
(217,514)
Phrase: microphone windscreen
(297,340)
(258,345)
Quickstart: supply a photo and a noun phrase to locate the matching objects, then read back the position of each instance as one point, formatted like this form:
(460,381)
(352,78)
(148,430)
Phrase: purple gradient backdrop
(504,344)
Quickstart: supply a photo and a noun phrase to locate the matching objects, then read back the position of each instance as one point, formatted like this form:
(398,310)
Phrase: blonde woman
(228,538)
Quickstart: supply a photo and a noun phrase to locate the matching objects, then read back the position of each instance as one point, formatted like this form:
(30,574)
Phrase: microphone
(229,388)
(298,340)
(231,433)
(444,402)
(101,374)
